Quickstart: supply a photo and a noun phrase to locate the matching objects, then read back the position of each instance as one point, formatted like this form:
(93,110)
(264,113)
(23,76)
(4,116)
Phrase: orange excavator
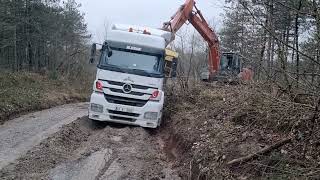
(221,66)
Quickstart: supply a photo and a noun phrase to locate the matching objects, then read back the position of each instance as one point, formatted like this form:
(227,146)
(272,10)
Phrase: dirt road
(56,144)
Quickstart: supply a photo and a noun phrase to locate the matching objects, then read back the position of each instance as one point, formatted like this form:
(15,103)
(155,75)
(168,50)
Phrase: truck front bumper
(147,116)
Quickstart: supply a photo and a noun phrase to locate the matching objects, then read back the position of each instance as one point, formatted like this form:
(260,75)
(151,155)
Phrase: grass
(24,92)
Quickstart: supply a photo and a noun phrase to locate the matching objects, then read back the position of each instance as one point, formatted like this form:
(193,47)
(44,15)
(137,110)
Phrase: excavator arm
(187,13)
(179,18)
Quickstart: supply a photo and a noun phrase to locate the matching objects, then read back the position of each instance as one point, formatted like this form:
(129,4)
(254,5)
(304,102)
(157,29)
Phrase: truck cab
(128,87)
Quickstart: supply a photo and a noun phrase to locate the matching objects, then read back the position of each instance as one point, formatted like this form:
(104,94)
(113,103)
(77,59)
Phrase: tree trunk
(270,27)
(297,43)
(15,64)
(316,16)
(262,51)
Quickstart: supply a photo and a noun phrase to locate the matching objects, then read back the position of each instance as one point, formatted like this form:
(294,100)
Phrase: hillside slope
(23,92)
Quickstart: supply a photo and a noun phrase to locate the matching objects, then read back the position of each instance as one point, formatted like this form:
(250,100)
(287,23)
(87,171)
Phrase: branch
(294,9)
(259,153)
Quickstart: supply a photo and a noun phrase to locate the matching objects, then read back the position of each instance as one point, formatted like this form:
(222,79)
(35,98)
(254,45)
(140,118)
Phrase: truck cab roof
(137,36)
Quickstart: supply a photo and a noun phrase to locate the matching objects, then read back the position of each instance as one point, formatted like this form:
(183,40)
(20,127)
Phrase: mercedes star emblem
(127,88)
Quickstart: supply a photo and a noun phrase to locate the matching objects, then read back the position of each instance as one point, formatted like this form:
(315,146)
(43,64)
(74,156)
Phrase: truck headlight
(96,108)
(151,115)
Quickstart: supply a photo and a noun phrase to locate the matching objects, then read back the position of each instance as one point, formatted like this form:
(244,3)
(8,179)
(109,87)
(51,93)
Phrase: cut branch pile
(248,131)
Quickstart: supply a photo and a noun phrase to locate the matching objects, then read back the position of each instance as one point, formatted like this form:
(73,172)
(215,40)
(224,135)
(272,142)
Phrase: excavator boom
(200,24)
(179,18)
(186,13)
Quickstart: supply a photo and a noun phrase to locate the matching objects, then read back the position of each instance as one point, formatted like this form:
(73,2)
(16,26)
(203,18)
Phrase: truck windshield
(132,62)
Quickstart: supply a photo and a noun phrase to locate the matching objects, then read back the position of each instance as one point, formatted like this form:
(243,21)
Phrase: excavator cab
(229,69)
(230,63)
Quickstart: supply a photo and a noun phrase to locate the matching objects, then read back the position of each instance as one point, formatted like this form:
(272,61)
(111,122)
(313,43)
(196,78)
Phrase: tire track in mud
(106,166)
(20,135)
(88,150)
(54,150)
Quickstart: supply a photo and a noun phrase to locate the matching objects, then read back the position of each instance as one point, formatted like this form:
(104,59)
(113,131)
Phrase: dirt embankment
(208,126)
(24,92)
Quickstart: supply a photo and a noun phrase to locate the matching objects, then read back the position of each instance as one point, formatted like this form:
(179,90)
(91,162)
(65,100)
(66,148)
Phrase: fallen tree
(259,153)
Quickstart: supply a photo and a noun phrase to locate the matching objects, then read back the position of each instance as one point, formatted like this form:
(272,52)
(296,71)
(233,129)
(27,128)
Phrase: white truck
(128,87)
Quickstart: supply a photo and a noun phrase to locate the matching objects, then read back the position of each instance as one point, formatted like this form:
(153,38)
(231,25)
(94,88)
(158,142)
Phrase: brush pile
(244,132)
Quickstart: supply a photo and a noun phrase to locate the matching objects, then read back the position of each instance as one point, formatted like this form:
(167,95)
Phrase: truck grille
(125,100)
(132,92)
(133,85)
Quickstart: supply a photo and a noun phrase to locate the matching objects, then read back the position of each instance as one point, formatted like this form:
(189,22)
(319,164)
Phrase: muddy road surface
(62,143)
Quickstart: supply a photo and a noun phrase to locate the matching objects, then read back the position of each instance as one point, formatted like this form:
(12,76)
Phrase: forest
(280,38)
(43,48)
(37,35)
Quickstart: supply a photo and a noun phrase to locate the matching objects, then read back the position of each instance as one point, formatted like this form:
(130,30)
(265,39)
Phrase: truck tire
(96,123)
(159,123)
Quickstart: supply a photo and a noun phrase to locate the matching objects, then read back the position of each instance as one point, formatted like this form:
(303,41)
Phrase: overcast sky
(151,13)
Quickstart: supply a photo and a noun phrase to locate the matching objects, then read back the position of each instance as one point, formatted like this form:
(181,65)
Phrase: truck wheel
(160,122)
(96,123)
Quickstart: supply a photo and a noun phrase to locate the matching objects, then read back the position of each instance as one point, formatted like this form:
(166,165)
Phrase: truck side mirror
(93,53)
(91,61)
(105,46)
(174,67)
